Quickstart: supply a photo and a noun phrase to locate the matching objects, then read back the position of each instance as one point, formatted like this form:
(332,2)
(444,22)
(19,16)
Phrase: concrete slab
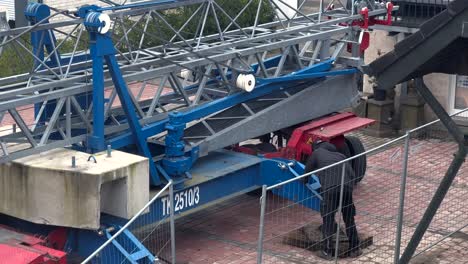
(45,189)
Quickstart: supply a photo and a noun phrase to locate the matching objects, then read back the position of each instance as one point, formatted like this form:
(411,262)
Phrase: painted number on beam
(183,200)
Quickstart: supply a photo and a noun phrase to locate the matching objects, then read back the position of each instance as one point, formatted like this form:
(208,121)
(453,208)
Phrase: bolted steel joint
(97,22)
(175,131)
(36,12)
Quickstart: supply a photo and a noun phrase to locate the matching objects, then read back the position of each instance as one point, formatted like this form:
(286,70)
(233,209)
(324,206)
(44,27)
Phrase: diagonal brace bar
(446,182)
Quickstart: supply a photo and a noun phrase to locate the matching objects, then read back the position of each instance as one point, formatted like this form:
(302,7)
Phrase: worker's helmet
(316,143)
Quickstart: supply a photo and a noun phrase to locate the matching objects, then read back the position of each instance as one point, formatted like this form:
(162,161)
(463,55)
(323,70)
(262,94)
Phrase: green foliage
(16,60)
(159,33)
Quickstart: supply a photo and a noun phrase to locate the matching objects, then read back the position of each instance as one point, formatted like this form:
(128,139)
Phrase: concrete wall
(439,84)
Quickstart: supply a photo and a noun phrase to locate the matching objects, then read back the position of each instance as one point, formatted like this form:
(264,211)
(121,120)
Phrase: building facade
(450,90)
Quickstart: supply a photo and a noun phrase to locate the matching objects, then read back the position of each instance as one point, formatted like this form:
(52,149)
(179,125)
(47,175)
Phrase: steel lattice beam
(212,58)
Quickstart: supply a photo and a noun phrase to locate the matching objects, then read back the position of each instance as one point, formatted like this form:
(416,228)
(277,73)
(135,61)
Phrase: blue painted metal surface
(223,103)
(224,173)
(219,175)
(41,41)
(177,162)
(302,192)
(130,247)
(102,49)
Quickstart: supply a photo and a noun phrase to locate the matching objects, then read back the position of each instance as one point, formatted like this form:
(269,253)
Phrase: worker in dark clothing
(325,154)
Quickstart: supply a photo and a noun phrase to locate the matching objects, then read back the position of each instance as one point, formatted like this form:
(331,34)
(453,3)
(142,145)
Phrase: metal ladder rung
(132,257)
(123,251)
(139,255)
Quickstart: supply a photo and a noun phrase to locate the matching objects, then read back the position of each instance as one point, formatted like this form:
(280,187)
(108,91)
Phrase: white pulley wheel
(188,75)
(185,73)
(104,18)
(246,82)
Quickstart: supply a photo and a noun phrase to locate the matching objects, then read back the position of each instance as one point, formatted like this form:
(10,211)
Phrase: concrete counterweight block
(46,189)
(382,112)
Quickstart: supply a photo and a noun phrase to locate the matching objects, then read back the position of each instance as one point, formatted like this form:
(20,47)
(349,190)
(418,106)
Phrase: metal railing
(154,237)
(412,13)
(400,179)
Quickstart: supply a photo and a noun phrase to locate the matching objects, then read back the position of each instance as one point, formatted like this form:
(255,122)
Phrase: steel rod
(401,205)
(340,214)
(141,211)
(172,204)
(263,200)
(448,178)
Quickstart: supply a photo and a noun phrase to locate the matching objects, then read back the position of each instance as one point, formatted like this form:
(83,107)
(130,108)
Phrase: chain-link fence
(387,188)
(141,239)
(430,155)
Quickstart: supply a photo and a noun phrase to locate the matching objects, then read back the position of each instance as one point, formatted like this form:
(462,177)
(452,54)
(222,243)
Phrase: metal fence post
(320,11)
(401,205)
(340,205)
(263,199)
(171,199)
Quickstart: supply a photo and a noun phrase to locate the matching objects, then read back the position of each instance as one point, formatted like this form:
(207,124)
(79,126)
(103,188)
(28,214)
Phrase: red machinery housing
(331,128)
(19,248)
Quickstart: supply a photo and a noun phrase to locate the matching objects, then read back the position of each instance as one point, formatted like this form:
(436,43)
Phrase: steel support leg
(446,182)
(402,199)
(97,139)
(262,223)
(129,108)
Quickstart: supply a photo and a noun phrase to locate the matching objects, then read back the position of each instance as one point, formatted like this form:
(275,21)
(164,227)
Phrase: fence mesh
(292,230)
(144,237)
(293,224)
(432,151)
(290,221)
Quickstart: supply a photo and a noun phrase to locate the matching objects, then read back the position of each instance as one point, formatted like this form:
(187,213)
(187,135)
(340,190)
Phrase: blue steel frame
(41,41)
(102,49)
(320,70)
(178,163)
(248,173)
(261,172)
(45,40)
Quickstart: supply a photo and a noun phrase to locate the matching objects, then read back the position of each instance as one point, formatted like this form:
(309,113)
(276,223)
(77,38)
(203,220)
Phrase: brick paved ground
(227,233)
